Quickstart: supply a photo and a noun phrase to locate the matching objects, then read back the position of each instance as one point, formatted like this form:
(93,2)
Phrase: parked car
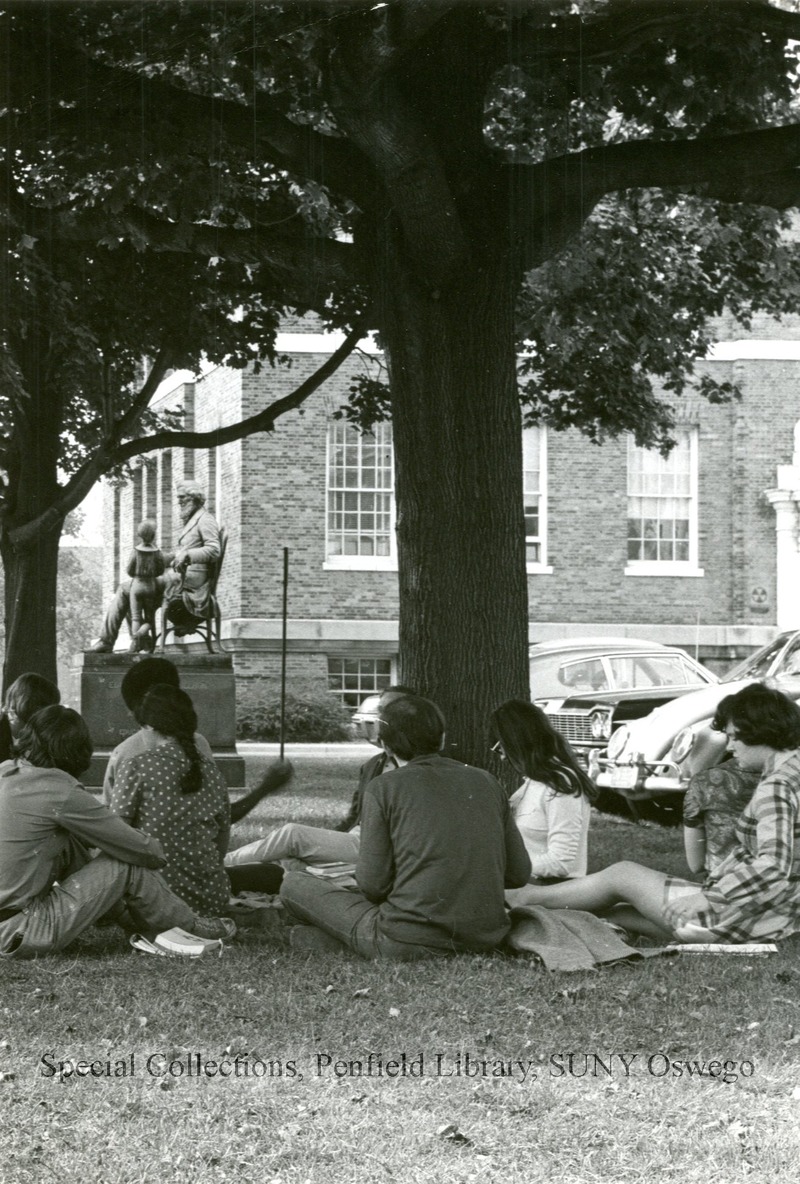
(590,686)
(652,759)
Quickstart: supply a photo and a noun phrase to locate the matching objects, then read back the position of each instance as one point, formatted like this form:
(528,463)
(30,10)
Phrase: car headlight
(618,742)
(682,745)
(600,723)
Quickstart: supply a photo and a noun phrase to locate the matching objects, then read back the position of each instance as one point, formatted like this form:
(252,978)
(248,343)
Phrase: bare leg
(621,883)
(629,918)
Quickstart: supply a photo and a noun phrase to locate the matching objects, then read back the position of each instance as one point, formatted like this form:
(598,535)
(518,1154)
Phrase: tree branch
(107,457)
(557,196)
(125,96)
(303,267)
(625,25)
(375,115)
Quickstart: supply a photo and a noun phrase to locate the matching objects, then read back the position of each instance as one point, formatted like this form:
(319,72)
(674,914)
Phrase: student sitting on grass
(438,848)
(552,807)
(27,694)
(754,893)
(136,682)
(175,793)
(51,890)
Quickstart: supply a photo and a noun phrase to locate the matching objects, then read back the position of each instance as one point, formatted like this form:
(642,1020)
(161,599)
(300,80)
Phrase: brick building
(699,549)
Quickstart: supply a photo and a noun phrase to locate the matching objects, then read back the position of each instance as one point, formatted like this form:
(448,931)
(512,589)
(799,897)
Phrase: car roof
(599,644)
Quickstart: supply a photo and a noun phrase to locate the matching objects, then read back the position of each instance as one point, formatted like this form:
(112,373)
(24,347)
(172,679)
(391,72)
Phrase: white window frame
(539,567)
(357,562)
(671,567)
(362,693)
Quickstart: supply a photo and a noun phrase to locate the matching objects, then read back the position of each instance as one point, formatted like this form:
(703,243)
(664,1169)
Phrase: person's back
(179,797)
(438,847)
(192,828)
(433,854)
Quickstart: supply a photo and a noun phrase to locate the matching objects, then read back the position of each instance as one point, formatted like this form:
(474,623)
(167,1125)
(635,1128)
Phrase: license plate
(623,776)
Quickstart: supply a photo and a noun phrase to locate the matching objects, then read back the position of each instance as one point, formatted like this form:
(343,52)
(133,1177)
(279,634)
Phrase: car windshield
(759,664)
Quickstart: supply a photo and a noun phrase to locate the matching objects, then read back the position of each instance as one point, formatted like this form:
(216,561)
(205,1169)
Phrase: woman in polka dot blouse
(178,796)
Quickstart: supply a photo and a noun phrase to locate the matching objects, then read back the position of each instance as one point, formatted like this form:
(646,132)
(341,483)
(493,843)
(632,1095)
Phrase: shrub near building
(311,716)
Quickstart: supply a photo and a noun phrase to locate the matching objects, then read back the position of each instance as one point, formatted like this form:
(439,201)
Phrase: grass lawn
(511,1073)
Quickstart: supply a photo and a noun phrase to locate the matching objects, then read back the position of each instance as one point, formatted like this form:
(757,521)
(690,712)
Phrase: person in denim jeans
(51,889)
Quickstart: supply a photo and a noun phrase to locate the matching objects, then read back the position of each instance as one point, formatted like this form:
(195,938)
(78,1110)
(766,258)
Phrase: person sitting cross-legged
(438,848)
(51,890)
(753,893)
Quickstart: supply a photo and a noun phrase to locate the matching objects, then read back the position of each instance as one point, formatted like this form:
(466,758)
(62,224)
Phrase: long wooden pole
(283,645)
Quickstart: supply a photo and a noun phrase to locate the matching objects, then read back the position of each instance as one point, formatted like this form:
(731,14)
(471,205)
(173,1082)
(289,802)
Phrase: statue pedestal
(207,678)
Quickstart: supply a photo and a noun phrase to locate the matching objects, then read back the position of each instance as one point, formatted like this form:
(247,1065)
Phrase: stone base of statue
(207,678)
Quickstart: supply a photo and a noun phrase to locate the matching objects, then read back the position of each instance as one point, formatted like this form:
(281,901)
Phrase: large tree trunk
(30,552)
(460,528)
(31,574)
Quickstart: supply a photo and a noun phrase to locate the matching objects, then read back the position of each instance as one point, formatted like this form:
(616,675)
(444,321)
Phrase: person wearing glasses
(754,893)
(552,806)
(186,580)
(438,848)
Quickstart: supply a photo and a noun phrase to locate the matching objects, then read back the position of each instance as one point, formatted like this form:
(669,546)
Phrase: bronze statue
(184,583)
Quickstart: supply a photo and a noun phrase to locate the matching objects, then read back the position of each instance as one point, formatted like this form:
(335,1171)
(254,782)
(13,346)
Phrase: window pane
(532,439)
(659,502)
(352,679)
(359,465)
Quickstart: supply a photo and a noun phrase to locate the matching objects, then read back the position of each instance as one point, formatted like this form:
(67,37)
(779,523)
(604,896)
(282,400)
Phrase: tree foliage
(578,175)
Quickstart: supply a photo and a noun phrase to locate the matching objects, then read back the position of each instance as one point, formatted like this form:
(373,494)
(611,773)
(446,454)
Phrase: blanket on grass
(570,939)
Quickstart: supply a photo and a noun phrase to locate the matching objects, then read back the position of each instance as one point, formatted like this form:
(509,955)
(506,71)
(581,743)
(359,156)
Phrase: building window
(534,468)
(662,507)
(360,519)
(352,679)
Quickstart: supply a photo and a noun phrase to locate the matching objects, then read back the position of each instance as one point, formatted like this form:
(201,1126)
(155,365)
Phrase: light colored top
(43,813)
(555,830)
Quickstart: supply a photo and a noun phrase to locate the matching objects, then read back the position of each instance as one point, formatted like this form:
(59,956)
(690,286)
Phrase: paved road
(360,751)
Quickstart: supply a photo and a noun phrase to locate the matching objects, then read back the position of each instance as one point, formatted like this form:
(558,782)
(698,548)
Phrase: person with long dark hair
(552,806)
(176,794)
(51,889)
(754,893)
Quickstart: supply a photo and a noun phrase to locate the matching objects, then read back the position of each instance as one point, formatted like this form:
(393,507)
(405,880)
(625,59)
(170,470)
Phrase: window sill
(538,569)
(645,568)
(360,563)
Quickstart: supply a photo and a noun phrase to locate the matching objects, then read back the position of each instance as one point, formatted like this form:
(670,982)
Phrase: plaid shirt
(755,891)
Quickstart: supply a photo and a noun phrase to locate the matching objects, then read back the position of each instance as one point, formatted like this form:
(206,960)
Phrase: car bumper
(637,781)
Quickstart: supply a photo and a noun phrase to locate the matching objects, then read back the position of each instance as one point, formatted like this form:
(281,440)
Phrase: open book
(178,943)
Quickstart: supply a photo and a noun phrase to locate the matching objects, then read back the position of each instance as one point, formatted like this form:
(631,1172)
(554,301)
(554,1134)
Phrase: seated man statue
(185,583)
(438,847)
